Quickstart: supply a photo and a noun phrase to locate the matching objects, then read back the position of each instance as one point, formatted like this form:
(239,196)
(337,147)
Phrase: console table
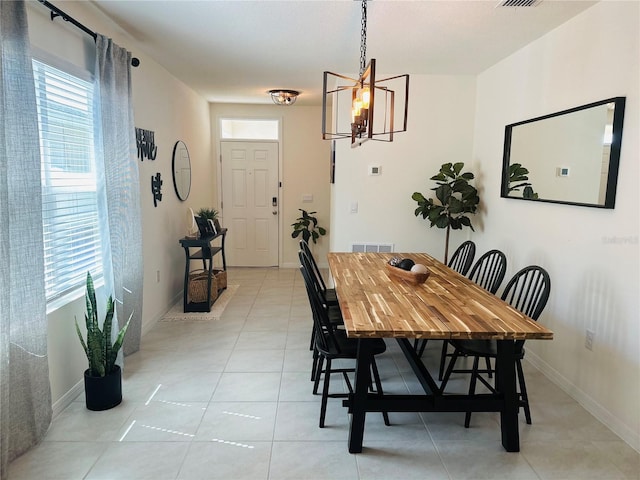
(202,249)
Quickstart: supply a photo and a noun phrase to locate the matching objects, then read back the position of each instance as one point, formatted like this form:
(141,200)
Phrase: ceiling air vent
(519,3)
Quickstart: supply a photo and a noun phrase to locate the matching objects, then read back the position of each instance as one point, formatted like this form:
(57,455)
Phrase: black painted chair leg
(316,381)
(325,393)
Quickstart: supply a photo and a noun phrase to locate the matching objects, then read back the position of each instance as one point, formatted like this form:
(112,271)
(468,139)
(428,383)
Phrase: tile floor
(231,399)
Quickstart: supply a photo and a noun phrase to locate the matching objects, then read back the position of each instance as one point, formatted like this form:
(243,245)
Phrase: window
(69,199)
(248,129)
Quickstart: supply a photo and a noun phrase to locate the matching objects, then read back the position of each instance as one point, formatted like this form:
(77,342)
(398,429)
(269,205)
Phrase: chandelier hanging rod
(56,12)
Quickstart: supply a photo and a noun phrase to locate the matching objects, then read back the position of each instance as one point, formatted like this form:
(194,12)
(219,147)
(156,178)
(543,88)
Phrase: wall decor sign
(156,189)
(146,144)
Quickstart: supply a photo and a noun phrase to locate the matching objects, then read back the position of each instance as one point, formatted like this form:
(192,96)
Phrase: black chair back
(528,291)
(463,257)
(323,330)
(304,247)
(489,270)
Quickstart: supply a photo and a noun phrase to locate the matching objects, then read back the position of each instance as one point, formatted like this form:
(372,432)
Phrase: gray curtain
(25,394)
(119,187)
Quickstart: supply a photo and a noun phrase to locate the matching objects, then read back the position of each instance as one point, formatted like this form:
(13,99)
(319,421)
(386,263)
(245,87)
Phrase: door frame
(218,168)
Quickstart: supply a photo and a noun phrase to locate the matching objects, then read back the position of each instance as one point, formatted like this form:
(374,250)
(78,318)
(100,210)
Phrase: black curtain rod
(56,12)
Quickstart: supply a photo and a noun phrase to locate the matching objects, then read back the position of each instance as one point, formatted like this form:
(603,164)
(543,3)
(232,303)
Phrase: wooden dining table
(376,304)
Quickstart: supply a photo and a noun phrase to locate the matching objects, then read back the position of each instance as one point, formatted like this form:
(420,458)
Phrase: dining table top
(446,306)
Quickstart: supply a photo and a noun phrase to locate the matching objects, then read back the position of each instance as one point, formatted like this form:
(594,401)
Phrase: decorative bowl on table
(416,276)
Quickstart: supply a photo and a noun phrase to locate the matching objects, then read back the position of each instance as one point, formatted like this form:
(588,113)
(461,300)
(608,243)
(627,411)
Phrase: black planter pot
(103,393)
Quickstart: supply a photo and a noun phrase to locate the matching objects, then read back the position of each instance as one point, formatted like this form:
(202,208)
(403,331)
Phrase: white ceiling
(236,50)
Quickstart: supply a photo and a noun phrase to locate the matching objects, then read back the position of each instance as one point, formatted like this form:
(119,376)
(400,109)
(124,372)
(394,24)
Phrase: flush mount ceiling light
(284,97)
(361,97)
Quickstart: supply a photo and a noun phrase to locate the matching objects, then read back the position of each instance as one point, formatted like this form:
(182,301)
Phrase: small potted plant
(103,378)
(211,214)
(307,226)
(455,198)
(208,213)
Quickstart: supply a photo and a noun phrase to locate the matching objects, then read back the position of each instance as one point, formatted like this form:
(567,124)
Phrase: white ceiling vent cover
(518,3)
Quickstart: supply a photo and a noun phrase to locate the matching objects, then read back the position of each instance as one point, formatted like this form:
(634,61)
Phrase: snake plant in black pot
(103,378)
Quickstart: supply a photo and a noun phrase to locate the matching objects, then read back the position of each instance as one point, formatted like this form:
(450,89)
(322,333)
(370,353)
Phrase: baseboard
(590,405)
(67,398)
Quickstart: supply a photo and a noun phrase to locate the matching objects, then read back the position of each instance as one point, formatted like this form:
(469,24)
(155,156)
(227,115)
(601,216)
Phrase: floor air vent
(518,3)
(372,247)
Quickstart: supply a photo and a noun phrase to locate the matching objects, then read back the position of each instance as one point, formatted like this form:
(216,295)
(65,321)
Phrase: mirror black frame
(182,196)
(614,157)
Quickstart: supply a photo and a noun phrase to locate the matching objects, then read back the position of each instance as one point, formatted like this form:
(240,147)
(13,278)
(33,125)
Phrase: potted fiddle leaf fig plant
(455,199)
(103,378)
(307,226)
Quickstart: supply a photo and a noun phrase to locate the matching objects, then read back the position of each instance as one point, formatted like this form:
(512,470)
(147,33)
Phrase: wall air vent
(372,247)
(518,3)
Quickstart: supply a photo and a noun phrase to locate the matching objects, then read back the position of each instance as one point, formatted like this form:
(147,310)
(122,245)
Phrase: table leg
(359,397)
(506,384)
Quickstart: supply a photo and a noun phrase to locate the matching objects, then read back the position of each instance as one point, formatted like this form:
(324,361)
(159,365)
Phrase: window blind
(70,208)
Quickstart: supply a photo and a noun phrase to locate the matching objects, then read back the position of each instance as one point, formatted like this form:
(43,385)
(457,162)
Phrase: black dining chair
(528,291)
(488,272)
(333,344)
(460,261)
(333,313)
(328,294)
(462,258)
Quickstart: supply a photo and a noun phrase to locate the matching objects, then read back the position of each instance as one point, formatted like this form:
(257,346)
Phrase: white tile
(322,461)
(163,421)
(298,421)
(255,361)
(383,460)
(77,424)
(190,386)
(139,461)
(226,461)
(575,459)
(57,461)
(263,339)
(247,387)
(238,421)
(484,460)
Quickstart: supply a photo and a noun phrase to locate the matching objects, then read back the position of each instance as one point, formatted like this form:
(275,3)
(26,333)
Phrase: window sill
(72,296)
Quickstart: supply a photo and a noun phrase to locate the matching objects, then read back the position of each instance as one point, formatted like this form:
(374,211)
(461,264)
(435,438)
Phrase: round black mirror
(181,168)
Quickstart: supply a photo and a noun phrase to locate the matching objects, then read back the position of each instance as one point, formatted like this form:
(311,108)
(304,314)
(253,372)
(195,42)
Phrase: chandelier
(363,97)
(284,97)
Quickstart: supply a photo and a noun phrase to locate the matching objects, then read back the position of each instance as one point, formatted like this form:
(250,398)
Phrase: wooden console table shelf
(205,251)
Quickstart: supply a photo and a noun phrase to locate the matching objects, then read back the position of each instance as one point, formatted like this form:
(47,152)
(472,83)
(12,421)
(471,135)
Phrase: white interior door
(250,203)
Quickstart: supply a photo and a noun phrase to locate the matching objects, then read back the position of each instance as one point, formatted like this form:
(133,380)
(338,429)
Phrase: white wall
(440,130)
(305,165)
(174,112)
(591,254)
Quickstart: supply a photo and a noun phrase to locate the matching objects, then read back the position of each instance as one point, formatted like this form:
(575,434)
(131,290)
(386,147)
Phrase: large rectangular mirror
(569,157)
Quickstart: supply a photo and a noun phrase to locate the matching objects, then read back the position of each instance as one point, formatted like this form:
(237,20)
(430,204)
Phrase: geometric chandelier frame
(354,101)
(378,121)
